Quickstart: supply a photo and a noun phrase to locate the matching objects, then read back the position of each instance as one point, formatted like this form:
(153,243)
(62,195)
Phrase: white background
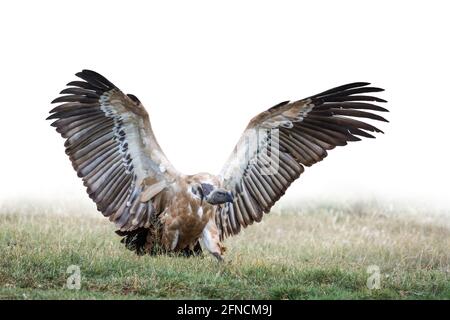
(204,68)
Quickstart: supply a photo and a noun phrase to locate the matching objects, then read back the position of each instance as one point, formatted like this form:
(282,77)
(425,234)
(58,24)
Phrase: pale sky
(204,69)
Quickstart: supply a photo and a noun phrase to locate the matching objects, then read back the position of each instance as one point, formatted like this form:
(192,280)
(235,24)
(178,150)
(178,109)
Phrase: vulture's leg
(196,250)
(210,238)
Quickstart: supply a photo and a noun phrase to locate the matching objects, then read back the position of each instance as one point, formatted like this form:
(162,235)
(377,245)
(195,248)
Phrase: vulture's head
(212,194)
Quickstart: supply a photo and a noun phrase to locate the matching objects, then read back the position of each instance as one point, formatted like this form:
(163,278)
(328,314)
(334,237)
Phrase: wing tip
(95,79)
(57,100)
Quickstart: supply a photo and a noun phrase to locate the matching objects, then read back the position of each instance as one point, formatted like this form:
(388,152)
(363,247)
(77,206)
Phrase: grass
(314,252)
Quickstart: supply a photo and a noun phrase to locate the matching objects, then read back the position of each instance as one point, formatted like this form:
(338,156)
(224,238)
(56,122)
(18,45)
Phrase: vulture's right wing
(279,142)
(112,147)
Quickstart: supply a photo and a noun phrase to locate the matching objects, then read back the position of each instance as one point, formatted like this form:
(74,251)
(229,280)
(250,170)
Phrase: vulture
(159,210)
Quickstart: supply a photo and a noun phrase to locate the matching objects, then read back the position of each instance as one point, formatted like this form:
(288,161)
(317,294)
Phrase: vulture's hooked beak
(219,196)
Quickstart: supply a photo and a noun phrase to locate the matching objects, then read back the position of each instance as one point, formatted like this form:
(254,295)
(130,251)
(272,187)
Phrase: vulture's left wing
(112,147)
(279,142)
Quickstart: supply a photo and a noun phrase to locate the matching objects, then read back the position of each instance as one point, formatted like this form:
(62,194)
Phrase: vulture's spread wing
(279,142)
(112,147)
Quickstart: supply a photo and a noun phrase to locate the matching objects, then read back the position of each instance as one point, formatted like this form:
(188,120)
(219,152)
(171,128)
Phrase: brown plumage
(157,209)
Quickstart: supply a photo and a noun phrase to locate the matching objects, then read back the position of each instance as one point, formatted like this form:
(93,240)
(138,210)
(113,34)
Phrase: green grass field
(315,252)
